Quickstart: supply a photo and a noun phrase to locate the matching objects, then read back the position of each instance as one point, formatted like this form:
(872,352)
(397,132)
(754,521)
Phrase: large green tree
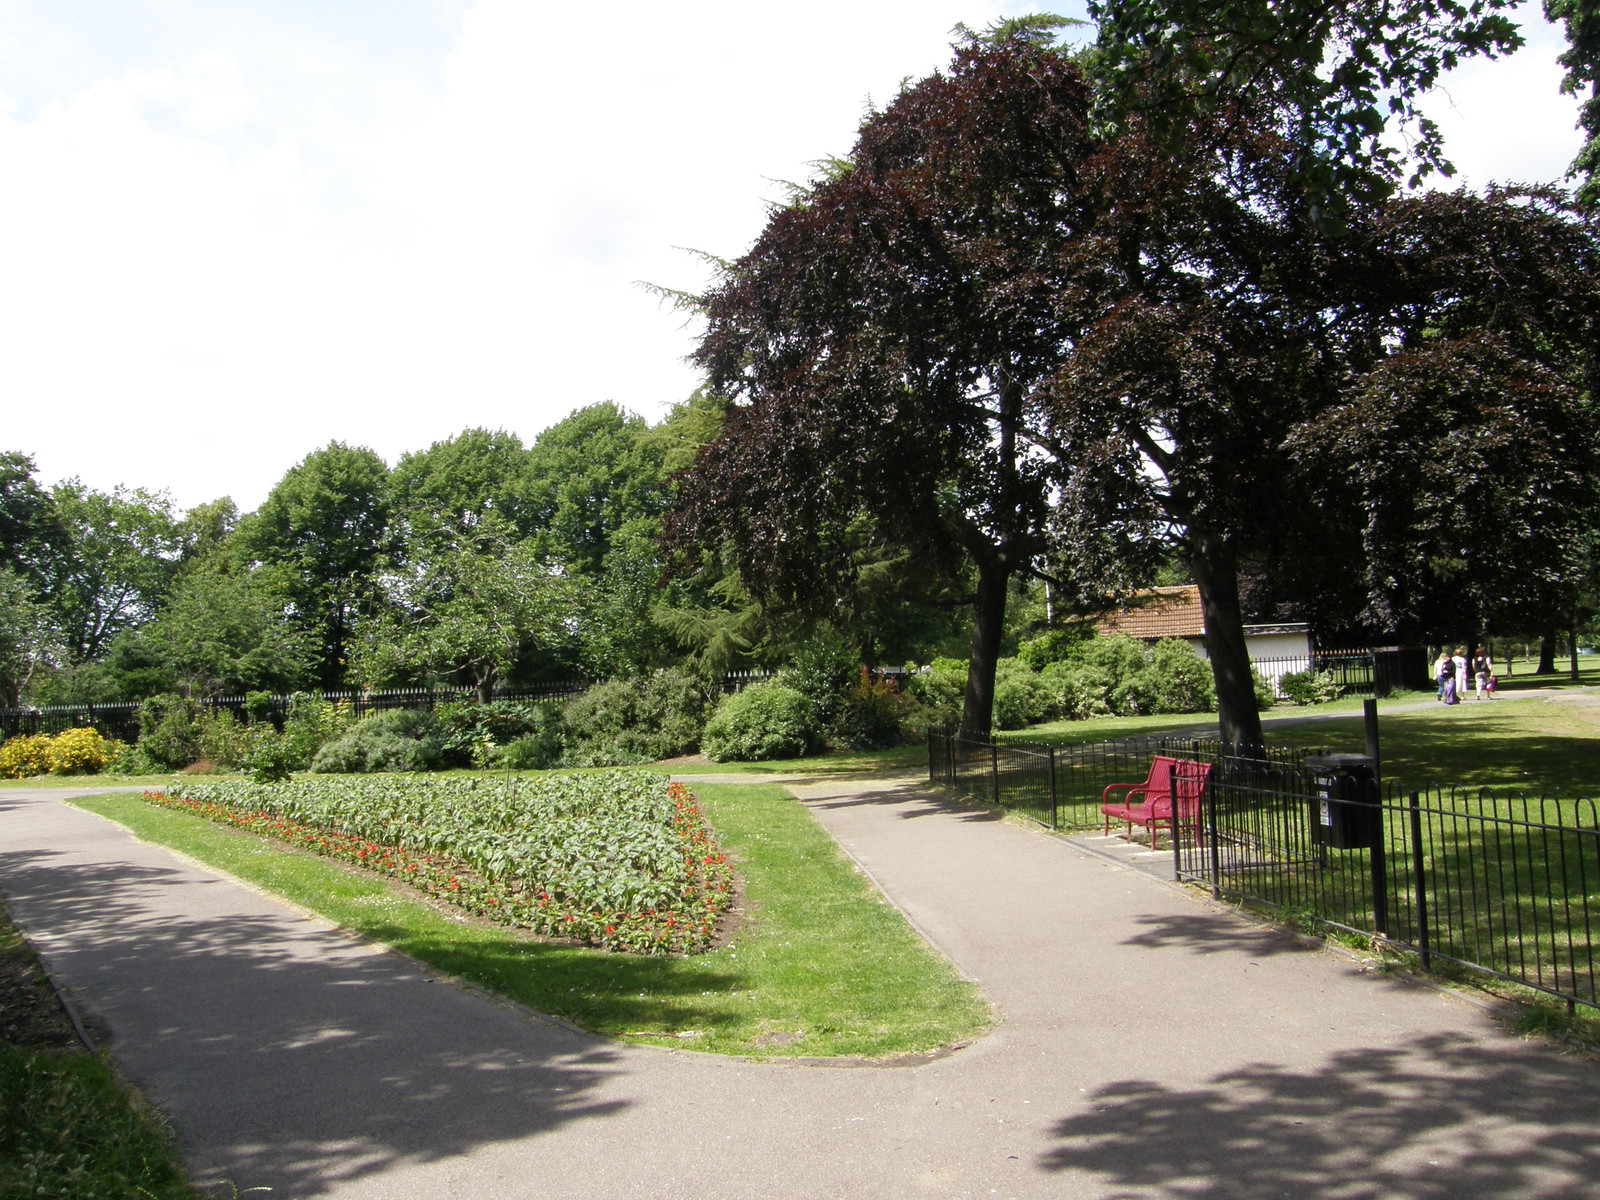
(326,523)
(595,479)
(28,526)
(225,630)
(115,556)
(463,615)
(463,485)
(1350,73)
(29,641)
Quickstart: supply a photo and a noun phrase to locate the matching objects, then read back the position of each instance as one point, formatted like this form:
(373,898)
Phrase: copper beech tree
(1023,345)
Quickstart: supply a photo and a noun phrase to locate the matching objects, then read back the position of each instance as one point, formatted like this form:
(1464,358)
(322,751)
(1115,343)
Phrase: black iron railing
(1494,880)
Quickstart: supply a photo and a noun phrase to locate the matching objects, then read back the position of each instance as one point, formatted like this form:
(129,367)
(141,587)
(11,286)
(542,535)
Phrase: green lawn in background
(821,965)
(1544,746)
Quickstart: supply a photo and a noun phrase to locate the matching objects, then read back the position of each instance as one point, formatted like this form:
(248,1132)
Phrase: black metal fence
(1497,881)
(1060,786)
(1376,672)
(121,719)
(1491,879)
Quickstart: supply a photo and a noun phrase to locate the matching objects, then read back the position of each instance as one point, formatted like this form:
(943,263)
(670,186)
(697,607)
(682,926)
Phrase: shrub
(1182,681)
(166,731)
(940,687)
(530,753)
(400,739)
(310,723)
(221,739)
(823,669)
(639,720)
(1309,686)
(467,725)
(873,716)
(79,752)
(25,757)
(258,706)
(1055,646)
(539,749)
(766,720)
(1118,657)
(127,759)
(269,760)
(1081,692)
(1266,692)
(1021,697)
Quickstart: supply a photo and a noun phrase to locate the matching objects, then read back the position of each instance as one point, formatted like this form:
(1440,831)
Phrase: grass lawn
(1549,745)
(817,964)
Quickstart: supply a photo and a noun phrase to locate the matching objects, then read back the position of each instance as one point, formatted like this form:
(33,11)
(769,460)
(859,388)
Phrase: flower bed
(619,859)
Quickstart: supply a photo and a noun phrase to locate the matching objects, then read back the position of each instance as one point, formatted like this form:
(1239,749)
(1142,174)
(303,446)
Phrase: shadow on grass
(1528,745)
(290,1055)
(1437,1120)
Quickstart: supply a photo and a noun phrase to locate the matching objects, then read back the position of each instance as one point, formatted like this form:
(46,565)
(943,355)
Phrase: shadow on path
(914,798)
(1204,933)
(298,1071)
(1438,1120)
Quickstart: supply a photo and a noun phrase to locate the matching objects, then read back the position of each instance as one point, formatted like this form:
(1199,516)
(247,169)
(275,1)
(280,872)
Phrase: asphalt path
(1147,1044)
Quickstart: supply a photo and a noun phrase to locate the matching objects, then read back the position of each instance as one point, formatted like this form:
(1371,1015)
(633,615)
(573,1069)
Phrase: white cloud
(247,239)
(1506,121)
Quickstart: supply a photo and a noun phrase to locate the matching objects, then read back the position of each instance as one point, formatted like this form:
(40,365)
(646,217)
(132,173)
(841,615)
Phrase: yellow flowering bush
(23,757)
(79,752)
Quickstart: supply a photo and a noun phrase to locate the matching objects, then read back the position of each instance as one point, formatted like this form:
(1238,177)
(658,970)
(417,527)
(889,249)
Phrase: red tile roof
(1158,613)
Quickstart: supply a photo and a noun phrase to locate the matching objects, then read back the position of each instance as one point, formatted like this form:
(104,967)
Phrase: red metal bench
(1155,806)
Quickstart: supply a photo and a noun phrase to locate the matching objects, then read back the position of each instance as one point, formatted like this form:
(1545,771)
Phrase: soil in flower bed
(31,1016)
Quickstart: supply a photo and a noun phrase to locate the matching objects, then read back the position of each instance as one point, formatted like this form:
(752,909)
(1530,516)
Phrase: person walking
(1441,671)
(1460,664)
(1446,671)
(1482,673)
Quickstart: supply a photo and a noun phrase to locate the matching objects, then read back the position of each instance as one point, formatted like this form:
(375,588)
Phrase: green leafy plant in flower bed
(619,859)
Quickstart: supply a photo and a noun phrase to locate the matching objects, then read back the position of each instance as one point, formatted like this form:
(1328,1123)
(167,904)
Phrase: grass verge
(817,963)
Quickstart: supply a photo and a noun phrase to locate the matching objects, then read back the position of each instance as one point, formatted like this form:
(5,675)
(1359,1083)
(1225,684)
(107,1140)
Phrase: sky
(232,231)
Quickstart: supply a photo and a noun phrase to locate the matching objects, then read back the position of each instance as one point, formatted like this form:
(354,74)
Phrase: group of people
(1451,672)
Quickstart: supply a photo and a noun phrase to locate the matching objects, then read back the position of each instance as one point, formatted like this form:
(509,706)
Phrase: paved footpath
(1150,1045)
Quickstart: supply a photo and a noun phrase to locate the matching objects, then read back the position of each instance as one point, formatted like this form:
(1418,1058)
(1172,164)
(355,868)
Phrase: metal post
(1055,815)
(1369,716)
(1419,881)
(1177,823)
(1210,795)
(1380,867)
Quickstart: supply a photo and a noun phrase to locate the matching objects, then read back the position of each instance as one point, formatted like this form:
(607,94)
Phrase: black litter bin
(1345,813)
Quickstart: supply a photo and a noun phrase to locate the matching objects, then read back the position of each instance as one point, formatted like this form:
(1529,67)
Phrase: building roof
(1158,613)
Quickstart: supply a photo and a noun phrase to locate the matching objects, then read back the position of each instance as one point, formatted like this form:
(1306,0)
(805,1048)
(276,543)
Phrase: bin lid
(1337,763)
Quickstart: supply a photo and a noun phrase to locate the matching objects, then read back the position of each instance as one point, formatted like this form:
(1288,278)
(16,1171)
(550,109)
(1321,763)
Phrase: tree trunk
(1216,571)
(1547,653)
(988,624)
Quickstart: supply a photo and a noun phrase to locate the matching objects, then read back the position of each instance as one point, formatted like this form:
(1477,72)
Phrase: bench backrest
(1190,777)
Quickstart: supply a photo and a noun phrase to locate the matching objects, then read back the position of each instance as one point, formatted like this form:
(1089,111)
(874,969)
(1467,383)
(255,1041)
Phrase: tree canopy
(1004,333)
(1350,73)
(327,523)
